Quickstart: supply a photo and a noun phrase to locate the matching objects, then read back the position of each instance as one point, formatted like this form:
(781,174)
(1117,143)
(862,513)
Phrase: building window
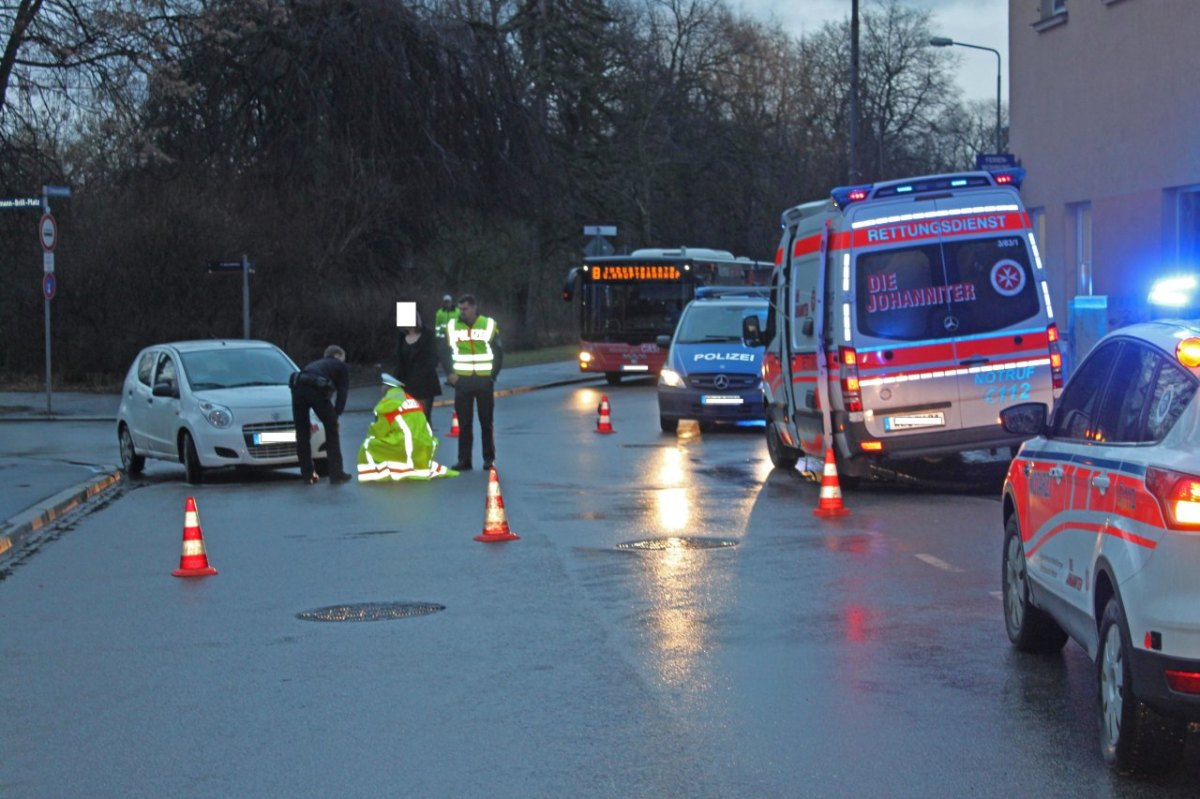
(1037,219)
(1054,13)
(1187,226)
(1079,216)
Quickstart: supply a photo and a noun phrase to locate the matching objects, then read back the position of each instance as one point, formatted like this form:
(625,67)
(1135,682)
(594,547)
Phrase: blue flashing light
(1177,291)
(903,189)
(959,182)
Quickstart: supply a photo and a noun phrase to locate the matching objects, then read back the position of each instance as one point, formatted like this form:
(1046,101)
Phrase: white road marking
(937,563)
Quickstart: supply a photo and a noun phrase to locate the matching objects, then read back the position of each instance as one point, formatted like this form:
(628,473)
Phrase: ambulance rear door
(996,309)
(904,346)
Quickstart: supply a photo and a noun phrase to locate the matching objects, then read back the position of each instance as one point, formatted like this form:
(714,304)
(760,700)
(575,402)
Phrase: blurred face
(467,311)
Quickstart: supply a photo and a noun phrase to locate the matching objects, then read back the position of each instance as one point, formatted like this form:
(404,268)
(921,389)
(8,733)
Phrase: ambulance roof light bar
(1009,176)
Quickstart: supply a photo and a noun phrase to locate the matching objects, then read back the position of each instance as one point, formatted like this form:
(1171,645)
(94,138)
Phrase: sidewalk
(72,457)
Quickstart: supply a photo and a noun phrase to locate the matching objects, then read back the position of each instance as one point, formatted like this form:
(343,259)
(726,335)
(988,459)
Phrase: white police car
(711,374)
(1102,535)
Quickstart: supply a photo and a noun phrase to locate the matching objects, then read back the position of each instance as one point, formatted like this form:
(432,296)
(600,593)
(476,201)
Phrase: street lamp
(945,41)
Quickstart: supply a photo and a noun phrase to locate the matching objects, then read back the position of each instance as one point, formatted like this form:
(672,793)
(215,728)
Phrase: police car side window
(1173,391)
(1077,413)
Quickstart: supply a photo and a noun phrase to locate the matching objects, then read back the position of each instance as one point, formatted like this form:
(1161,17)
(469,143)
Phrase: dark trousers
(427,406)
(471,390)
(304,398)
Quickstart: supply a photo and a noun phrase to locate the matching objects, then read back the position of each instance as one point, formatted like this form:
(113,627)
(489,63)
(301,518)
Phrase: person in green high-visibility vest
(474,357)
(444,314)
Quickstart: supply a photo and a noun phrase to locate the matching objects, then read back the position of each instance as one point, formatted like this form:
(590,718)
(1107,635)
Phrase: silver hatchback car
(209,404)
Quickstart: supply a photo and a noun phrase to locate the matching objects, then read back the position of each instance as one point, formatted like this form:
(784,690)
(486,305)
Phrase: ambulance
(905,315)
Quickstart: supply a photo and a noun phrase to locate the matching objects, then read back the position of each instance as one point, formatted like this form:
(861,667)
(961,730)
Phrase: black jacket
(416,365)
(336,372)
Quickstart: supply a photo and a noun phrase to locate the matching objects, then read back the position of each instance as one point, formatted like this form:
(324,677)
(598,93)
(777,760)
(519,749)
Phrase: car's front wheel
(1134,738)
(193,471)
(1029,627)
(668,425)
(131,462)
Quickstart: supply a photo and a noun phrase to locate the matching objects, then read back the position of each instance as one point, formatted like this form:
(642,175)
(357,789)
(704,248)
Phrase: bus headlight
(669,377)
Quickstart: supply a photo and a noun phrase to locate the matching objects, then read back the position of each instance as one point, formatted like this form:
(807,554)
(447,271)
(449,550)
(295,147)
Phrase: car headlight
(669,377)
(217,415)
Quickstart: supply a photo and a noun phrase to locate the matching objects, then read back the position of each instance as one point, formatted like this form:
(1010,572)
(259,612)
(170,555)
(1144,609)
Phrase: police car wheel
(1029,628)
(782,456)
(193,471)
(668,425)
(131,462)
(1134,739)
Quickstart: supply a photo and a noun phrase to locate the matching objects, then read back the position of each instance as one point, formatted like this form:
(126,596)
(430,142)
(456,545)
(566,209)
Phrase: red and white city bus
(625,302)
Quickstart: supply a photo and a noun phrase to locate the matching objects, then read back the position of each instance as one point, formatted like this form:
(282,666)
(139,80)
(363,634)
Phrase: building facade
(1104,100)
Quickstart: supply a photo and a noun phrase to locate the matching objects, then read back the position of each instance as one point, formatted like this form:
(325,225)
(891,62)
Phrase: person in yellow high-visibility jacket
(443,316)
(475,356)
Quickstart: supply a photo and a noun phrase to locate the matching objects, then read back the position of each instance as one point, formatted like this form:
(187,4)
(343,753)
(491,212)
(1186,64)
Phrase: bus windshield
(632,312)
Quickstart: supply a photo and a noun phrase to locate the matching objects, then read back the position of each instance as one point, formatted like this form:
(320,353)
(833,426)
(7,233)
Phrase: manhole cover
(676,542)
(370,611)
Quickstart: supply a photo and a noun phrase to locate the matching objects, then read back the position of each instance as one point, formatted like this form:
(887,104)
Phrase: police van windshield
(937,291)
(716,323)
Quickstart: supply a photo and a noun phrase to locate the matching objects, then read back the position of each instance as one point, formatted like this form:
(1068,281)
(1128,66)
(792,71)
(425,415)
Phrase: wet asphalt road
(764,653)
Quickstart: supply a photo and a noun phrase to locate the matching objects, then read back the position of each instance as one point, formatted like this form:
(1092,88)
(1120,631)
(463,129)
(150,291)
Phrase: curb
(15,531)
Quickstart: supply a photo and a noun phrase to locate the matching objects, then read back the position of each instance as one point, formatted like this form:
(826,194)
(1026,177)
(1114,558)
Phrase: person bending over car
(314,387)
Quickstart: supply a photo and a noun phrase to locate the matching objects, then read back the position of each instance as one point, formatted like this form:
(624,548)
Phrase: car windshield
(236,368)
(717,323)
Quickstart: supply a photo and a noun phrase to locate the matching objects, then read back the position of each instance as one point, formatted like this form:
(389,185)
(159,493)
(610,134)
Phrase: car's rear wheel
(668,425)
(1029,628)
(131,462)
(782,456)
(193,471)
(1134,738)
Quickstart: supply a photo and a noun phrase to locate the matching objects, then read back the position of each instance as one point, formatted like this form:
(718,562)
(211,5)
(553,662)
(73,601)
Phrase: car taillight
(1186,682)
(1178,496)
(1055,356)
(851,392)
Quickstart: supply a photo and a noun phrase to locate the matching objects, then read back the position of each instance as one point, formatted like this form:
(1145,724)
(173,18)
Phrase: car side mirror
(751,332)
(663,342)
(165,390)
(1026,419)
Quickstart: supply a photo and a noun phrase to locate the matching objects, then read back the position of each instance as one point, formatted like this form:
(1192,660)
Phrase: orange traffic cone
(194,561)
(604,423)
(454,431)
(830,503)
(495,525)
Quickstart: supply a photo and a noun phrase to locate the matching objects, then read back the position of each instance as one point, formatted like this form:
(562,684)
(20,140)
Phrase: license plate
(635,367)
(914,421)
(276,437)
(719,399)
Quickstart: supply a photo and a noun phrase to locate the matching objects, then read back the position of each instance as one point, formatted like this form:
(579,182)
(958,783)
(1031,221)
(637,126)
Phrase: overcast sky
(981,22)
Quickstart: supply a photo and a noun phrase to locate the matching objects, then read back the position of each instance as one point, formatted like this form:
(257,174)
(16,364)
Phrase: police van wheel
(193,471)
(1134,739)
(668,425)
(782,456)
(1029,628)
(131,462)
(612,378)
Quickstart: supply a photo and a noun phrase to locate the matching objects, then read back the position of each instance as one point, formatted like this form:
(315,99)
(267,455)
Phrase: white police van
(711,373)
(904,316)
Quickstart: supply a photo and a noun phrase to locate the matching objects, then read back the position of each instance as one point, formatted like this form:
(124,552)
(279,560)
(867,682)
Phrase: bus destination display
(605,272)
